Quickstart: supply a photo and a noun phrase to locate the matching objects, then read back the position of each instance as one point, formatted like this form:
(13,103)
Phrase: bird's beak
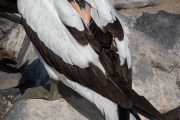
(85,13)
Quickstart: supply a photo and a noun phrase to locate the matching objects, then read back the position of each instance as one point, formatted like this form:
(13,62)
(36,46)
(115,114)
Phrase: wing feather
(62,51)
(68,15)
(113,24)
(55,35)
(91,77)
(104,9)
(84,63)
(81,63)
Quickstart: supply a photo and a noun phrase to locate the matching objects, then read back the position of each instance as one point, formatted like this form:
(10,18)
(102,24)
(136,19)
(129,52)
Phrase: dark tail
(145,108)
(123,113)
(134,114)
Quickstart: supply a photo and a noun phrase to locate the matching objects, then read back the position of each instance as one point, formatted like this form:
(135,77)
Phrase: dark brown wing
(113,30)
(92,77)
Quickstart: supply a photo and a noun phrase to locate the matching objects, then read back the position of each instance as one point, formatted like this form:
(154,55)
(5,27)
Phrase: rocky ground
(12,40)
(163,73)
(6,96)
(171,6)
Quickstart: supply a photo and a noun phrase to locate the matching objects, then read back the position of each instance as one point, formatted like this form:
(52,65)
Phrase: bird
(85,43)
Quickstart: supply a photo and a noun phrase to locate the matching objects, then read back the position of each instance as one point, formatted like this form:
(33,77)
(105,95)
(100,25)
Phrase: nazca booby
(85,42)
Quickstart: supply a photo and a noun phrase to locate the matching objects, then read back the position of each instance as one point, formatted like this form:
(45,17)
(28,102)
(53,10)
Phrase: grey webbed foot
(42,92)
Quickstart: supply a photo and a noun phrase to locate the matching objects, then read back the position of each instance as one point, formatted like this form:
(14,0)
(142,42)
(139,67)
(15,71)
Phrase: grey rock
(5,26)
(114,1)
(73,107)
(156,63)
(127,4)
(154,2)
(164,28)
(6,98)
(154,72)
(9,80)
(13,40)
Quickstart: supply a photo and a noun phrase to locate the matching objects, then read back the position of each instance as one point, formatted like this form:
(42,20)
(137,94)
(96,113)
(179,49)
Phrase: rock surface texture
(16,48)
(72,107)
(156,59)
(156,66)
(128,4)
(10,40)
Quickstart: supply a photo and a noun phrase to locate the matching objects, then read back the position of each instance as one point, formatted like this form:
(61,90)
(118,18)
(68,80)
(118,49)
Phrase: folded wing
(95,55)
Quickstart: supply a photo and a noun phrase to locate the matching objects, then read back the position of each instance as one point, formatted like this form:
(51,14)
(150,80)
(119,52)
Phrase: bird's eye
(79,1)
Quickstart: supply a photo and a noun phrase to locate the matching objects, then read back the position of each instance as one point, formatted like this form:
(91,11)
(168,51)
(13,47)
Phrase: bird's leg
(54,93)
(41,92)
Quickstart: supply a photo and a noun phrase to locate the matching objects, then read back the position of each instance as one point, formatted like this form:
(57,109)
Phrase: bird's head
(82,8)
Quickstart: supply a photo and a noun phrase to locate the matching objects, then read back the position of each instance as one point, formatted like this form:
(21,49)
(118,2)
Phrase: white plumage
(47,19)
(72,18)
(55,35)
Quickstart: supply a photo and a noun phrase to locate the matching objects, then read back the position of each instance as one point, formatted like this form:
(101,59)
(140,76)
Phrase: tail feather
(123,113)
(134,114)
(145,108)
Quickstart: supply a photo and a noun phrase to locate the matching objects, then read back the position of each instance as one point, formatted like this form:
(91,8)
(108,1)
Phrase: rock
(6,98)
(156,63)
(11,38)
(114,1)
(9,80)
(12,41)
(128,4)
(152,73)
(73,107)
(163,28)
(5,26)
(155,70)
(14,45)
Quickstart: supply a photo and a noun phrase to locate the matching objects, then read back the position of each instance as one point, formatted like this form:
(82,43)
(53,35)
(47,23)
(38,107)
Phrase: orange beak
(84,13)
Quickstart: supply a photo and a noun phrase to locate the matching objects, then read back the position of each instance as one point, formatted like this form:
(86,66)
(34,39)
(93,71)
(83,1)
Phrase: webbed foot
(42,92)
